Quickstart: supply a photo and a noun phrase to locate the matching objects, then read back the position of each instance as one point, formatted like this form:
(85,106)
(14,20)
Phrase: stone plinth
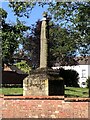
(43,82)
(36,84)
(56,83)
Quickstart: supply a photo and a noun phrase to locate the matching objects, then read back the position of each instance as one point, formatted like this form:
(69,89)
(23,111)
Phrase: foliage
(62,46)
(23,66)
(12,36)
(22,8)
(88,82)
(69,31)
(75,17)
(31,45)
(71,15)
(70,77)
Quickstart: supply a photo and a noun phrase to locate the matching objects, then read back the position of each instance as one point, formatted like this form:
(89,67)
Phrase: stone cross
(43,42)
(43,82)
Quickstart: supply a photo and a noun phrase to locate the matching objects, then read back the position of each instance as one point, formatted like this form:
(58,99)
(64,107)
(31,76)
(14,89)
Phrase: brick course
(44,107)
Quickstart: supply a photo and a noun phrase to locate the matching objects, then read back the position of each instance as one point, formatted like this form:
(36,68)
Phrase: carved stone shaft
(43,46)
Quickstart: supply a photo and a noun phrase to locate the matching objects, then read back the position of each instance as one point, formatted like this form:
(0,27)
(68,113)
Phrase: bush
(88,82)
(70,77)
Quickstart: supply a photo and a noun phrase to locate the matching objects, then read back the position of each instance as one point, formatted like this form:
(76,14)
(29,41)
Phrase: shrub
(88,82)
(70,77)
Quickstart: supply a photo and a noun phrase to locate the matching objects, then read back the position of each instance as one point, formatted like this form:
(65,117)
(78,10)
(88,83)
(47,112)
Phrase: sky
(34,16)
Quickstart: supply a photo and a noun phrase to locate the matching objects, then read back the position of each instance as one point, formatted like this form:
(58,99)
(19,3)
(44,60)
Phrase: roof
(74,61)
(83,60)
(13,68)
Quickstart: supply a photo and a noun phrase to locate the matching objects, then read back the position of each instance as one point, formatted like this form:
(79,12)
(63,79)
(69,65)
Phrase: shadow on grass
(13,94)
(68,95)
(70,90)
(77,90)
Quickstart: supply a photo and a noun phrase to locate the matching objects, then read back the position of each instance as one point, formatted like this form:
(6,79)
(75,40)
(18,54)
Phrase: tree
(76,17)
(31,45)
(23,66)
(12,36)
(72,15)
(69,33)
(62,46)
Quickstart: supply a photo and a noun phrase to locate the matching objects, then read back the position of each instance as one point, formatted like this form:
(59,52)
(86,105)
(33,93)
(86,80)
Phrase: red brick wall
(44,107)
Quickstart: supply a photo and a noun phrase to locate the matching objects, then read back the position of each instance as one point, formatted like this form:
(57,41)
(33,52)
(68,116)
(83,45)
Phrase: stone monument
(37,82)
(43,45)
(43,81)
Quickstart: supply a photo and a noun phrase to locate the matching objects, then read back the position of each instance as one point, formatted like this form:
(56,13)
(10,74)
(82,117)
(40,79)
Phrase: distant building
(83,69)
(11,75)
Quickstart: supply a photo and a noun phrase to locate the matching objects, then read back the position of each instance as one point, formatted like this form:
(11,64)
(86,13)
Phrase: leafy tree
(23,66)
(12,36)
(62,46)
(31,45)
(72,15)
(76,17)
(70,34)
(22,8)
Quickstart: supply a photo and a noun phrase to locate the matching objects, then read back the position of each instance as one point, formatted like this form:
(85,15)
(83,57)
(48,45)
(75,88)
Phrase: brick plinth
(44,107)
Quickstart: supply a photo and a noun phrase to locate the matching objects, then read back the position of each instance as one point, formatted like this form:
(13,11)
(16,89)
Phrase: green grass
(76,92)
(0,91)
(69,91)
(11,91)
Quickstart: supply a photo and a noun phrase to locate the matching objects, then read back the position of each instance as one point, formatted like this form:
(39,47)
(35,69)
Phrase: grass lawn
(11,91)
(69,91)
(76,92)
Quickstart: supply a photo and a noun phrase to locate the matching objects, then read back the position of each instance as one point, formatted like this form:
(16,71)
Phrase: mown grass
(69,91)
(11,91)
(76,92)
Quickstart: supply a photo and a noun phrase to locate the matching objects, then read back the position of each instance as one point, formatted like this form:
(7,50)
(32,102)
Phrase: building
(11,75)
(83,69)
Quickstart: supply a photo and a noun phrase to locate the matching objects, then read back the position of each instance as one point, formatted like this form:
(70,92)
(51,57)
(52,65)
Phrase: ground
(69,91)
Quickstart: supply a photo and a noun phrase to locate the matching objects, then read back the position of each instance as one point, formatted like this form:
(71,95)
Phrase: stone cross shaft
(43,43)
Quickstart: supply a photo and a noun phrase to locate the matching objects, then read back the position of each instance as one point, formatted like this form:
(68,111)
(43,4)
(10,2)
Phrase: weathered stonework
(36,84)
(43,44)
(43,82)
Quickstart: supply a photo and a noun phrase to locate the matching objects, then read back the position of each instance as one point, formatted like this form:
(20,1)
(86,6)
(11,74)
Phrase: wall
(88,70)
(79,69)
(82,71)
(44,107)
(10,77)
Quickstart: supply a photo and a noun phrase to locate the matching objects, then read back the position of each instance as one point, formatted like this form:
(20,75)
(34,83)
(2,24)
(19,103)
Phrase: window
(83,83)
(83,73)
